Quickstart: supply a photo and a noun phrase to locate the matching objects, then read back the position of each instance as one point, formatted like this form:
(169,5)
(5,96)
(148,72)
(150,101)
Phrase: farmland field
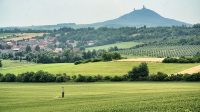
(100,97)
(4,35)
(21,36)
(119,45)
(102,68)
(18,36)
(163,51)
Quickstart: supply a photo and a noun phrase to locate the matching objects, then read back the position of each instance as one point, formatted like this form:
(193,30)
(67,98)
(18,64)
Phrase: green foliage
(26,77)
(37,48)
(62,78)
(111,56)
(107,57)
(192,77)
(87,61)
(2,79)
(196,26)
(10,77)
(138,72)
(117,78)
(1,64)
(195,59)
(28,48)
(158,77)
(42,76)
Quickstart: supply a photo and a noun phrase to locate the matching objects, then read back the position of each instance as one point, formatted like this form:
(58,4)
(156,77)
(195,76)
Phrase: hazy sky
(41,12)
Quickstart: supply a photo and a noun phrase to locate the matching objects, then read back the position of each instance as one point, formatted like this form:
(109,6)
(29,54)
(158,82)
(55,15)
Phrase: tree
(107,57)
(10,77)
(1,63)
(28,48)
(116,56)
(139,72)
(37,48)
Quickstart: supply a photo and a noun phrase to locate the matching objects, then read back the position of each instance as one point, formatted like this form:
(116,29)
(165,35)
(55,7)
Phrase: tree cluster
(195,59)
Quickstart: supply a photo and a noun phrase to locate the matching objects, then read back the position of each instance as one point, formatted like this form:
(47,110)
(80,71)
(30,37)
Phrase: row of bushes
(88,60)
(39,76)
(182,60)
(42,76)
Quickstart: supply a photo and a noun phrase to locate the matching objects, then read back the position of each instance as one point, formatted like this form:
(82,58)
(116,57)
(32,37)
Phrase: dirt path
(142,60)
(195,69)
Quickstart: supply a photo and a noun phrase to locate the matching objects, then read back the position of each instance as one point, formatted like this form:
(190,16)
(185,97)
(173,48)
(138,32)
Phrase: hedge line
(42,76)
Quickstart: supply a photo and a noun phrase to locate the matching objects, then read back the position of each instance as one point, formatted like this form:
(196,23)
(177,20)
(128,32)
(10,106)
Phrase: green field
(100,97)
(102,68)
(119,45)
(4,35)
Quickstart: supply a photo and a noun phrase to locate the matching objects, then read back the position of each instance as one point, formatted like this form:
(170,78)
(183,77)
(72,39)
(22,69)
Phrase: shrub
(42,76)
(74,77)
(77,62)
(1,64)
(178,77)
(25,77)
(98,78)
(96,60)
(117,78)
(107,57)
(158,77)
(90,79)
(140,71)
(193,77)
(62,78)
(194,59)
(80,78)
(116,56)
(10,77)
(2,79)
(107,78)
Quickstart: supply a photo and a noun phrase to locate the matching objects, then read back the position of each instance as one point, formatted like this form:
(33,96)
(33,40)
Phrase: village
(17,43)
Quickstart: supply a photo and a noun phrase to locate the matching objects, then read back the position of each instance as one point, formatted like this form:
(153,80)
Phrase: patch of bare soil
(192,70)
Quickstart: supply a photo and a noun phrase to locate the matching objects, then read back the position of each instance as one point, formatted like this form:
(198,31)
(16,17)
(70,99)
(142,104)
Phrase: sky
(44,12)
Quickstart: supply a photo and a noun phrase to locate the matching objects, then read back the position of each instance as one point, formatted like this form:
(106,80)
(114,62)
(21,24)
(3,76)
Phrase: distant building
(9,43)
(16,49)
(57,50)
(73,43)
(90,43)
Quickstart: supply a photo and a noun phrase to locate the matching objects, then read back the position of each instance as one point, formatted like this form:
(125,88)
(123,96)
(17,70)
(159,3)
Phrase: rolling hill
(136,18)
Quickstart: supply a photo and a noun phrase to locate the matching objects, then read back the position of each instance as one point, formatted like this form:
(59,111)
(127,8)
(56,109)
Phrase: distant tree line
(140,73)
(18,30)
(155,35)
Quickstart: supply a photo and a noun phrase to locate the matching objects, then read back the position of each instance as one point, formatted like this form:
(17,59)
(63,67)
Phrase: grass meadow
(101,68)
(100,97)
(119,45)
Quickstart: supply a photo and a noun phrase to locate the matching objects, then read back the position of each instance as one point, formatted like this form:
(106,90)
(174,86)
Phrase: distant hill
(136,18)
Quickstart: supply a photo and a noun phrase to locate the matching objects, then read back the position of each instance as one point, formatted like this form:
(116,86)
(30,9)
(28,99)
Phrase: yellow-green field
(100,97)
(102,68)
(18,36)
(119,45)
